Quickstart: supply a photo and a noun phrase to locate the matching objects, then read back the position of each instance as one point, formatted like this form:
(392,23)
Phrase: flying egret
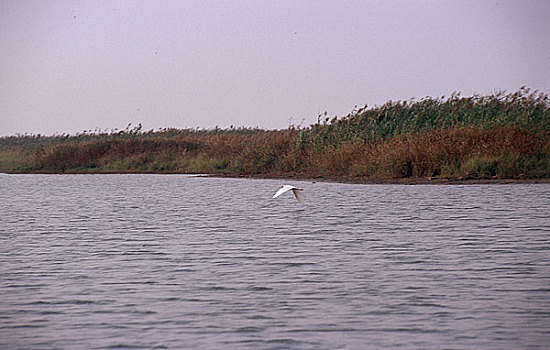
(294,190)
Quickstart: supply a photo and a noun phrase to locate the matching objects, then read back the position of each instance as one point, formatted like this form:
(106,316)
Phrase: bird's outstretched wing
(297,194)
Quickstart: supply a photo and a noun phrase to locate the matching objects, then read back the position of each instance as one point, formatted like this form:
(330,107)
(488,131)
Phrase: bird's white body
(295,190)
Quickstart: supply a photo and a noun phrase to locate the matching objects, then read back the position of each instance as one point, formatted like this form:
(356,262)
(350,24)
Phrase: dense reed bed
(496,136)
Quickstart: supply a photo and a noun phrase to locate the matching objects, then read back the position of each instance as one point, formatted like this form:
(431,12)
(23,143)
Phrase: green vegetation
(496,136)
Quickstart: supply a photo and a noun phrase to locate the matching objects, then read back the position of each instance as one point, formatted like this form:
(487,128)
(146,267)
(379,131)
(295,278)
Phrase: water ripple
(148,261)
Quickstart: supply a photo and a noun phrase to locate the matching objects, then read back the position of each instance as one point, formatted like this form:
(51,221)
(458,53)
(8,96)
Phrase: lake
(173,261)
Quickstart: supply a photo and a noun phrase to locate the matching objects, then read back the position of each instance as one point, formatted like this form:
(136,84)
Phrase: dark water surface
(152,261)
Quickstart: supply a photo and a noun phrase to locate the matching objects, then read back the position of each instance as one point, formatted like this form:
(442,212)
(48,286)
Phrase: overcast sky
(69,66)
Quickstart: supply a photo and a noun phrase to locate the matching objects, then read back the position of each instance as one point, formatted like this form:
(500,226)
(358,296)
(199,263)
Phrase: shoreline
(333,179)
(402,181)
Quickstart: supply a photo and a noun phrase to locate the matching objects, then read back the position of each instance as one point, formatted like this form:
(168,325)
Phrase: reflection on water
(150,261)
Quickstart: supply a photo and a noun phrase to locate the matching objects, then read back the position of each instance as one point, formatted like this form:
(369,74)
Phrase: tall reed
(500,135)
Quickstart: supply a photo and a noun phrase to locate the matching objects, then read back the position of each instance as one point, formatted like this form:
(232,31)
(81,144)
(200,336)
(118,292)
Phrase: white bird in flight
(294,190)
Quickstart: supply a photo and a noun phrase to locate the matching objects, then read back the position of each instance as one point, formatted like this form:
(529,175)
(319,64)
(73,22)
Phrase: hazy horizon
(70,66)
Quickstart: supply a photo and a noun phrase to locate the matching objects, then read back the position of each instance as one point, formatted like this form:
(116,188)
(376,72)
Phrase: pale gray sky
(69,66)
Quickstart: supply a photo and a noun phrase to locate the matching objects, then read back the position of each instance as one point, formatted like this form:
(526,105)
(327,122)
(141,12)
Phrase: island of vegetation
(499,136)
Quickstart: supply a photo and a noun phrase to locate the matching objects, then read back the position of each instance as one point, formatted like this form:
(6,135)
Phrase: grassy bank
(496,136)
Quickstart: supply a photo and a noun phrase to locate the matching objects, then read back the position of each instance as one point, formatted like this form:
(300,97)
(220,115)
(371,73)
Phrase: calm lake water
(171,262)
